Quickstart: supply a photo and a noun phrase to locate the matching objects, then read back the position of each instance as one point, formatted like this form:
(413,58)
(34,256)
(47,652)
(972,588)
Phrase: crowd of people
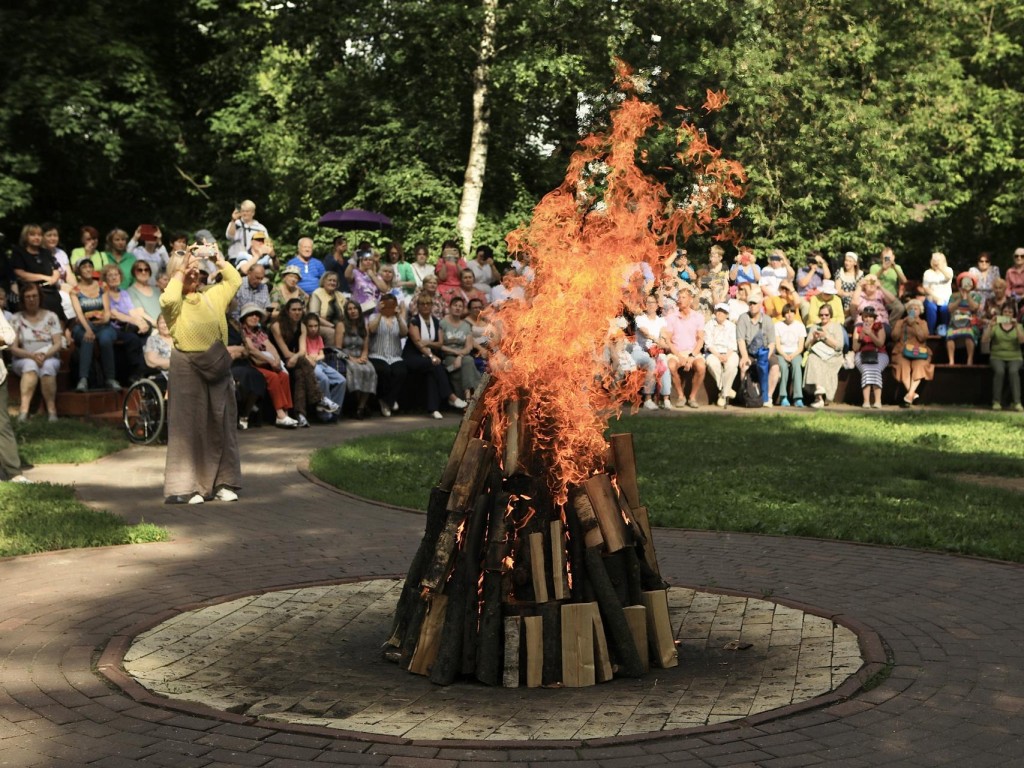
(785,328)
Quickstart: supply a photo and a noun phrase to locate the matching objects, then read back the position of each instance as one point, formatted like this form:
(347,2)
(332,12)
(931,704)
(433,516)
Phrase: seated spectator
(773,303)
(1001,297)
(8,315)
(310,268)
(92,326)
(810,276)
(778,269)
(337,260)
(723,357)
(10,462)
(31,262)
(367,286)
(250,386)
(745,269)
(387,328)
(713,281)
(870,357)
(261,252)
(144,294)
(289,334)
(128,323)
(253,290)
(449,270)
(508,288)
(1004,337)
(36,351)
(389,278)
(738,305)
(681,268)
(891,279)
(1015,275)
(330,379)
(871,294)
(467,290)
(827,296)
(482,334)
(285,291)
(429,290)
(405,280)
(147,245)
(457,350)
(650,357)
(241,230)
(847,277)
(985,273)
(352,338)
(421,354)
(51,241)
(157,351)
(755,336)
(824,358)
(326,303)
(420,268)
(683,338)
(964,307)
(910,352)
(937,284)
(790,335)
(90,239)
(117,254)
(485,273)
(267,362)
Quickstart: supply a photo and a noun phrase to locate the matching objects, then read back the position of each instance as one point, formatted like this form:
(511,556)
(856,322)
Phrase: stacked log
(512,589)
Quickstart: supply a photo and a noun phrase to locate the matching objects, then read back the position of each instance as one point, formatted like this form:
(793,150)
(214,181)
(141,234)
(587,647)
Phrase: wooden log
(471,620)
(551,616)
(513,440)
(625,467)
(620,639)
(578,645)
(414,627)
(436,515)
(602,660)
(461,593)
(631,561)
(636,618)
(430,636)
(588,520)
(533,629)
(559,576)
(659,630)
(577,559)
(468,429)
(644,523)
(538,567)
(490,635)
(510,678)
(472,472)
(615,566)
(606,506)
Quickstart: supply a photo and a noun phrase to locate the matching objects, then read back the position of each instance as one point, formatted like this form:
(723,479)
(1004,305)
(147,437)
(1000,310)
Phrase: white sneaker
(650,405)
(21,480)
(394,407)
(721,401)
(287,423)
(243,422)
(197,499)
(437,415)
(665,405)
(768,404)
(226,494)
(328,406)
(458,402)
(302,422)
(384,410)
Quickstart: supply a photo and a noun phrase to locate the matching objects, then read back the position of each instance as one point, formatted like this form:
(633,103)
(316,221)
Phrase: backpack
(750,390)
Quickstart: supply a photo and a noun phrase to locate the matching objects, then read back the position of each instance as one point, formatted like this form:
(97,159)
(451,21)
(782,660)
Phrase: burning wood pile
(512,588)
(537,565)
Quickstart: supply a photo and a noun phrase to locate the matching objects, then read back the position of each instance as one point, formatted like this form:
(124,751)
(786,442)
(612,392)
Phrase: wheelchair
(144,412)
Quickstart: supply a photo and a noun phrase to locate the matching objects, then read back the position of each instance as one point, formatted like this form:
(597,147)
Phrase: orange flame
(586,244)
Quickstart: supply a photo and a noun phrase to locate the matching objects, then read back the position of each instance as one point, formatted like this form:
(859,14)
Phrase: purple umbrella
(354,218)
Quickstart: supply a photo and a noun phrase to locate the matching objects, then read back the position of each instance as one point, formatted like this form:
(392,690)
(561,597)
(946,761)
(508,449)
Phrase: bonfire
(537,565)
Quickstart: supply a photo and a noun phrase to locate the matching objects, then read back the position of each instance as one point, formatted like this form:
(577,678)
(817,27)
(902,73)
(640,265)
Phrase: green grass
(44,517)
(875,478)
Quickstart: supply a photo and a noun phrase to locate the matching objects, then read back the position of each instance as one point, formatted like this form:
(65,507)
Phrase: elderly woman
(428,289)
(910,352)
(870,357)
(367,286)
(10,462)
(937,283)
(36,351)
(144,294)
(825,357)
(871,293)
(128,322)
(326,303)
(984,274)
(964,307)
(202,437)
(92,326)
(1004,336)
(31,262)
(267,362)
(286,290)
(457,350)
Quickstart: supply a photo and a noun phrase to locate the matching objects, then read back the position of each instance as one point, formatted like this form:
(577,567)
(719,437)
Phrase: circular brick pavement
(952,627)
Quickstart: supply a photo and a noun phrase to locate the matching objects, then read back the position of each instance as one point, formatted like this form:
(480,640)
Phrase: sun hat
(829,287)
(291,270)
(722,307)
(250,309)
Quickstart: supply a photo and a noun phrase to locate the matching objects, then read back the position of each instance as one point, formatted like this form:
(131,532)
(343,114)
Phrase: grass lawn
(889,478)
(44,517)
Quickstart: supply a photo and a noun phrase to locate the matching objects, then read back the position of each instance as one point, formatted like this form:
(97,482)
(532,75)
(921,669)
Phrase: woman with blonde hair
(937,283)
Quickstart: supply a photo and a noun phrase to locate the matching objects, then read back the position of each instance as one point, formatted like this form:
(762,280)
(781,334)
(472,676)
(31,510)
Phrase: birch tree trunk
(476,166)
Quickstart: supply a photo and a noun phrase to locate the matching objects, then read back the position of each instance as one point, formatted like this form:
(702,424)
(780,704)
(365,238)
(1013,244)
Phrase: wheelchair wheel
(143,412)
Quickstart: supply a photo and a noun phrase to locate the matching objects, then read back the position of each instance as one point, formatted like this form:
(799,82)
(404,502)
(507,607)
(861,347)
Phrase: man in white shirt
(240,229)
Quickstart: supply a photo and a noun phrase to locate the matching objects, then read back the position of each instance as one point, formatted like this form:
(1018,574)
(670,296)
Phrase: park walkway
(952,626)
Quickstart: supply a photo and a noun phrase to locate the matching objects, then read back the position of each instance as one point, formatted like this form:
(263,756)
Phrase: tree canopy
(859,123)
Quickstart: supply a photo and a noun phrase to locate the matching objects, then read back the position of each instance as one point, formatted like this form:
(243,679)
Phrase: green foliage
(890,478)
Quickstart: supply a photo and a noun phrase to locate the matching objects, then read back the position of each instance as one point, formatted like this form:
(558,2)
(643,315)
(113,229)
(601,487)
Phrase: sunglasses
(142,270)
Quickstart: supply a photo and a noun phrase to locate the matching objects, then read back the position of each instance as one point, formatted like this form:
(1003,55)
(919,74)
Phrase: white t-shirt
(939,284)
(648,331)
(789,335)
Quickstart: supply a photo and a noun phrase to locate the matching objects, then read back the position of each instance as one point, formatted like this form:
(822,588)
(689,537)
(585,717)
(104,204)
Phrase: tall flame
(585,243)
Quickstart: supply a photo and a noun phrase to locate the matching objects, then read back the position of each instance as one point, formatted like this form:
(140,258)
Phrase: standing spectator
(891,279)
(10,462)
(337,260)
(92,326)
(870,357)
(485,274)
(1004,335)
(790,335)
(683,337)
(824,358)
(387,328)
(117,254)
(353,339)
(1015,275)
(847,277)
(723,358)
(810,276)
(202,415)
(310,268)
(755,334)
(984,273)
(910,352)
(51,241)
(36,351)
(937,283)
(33,263)
(241,228)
